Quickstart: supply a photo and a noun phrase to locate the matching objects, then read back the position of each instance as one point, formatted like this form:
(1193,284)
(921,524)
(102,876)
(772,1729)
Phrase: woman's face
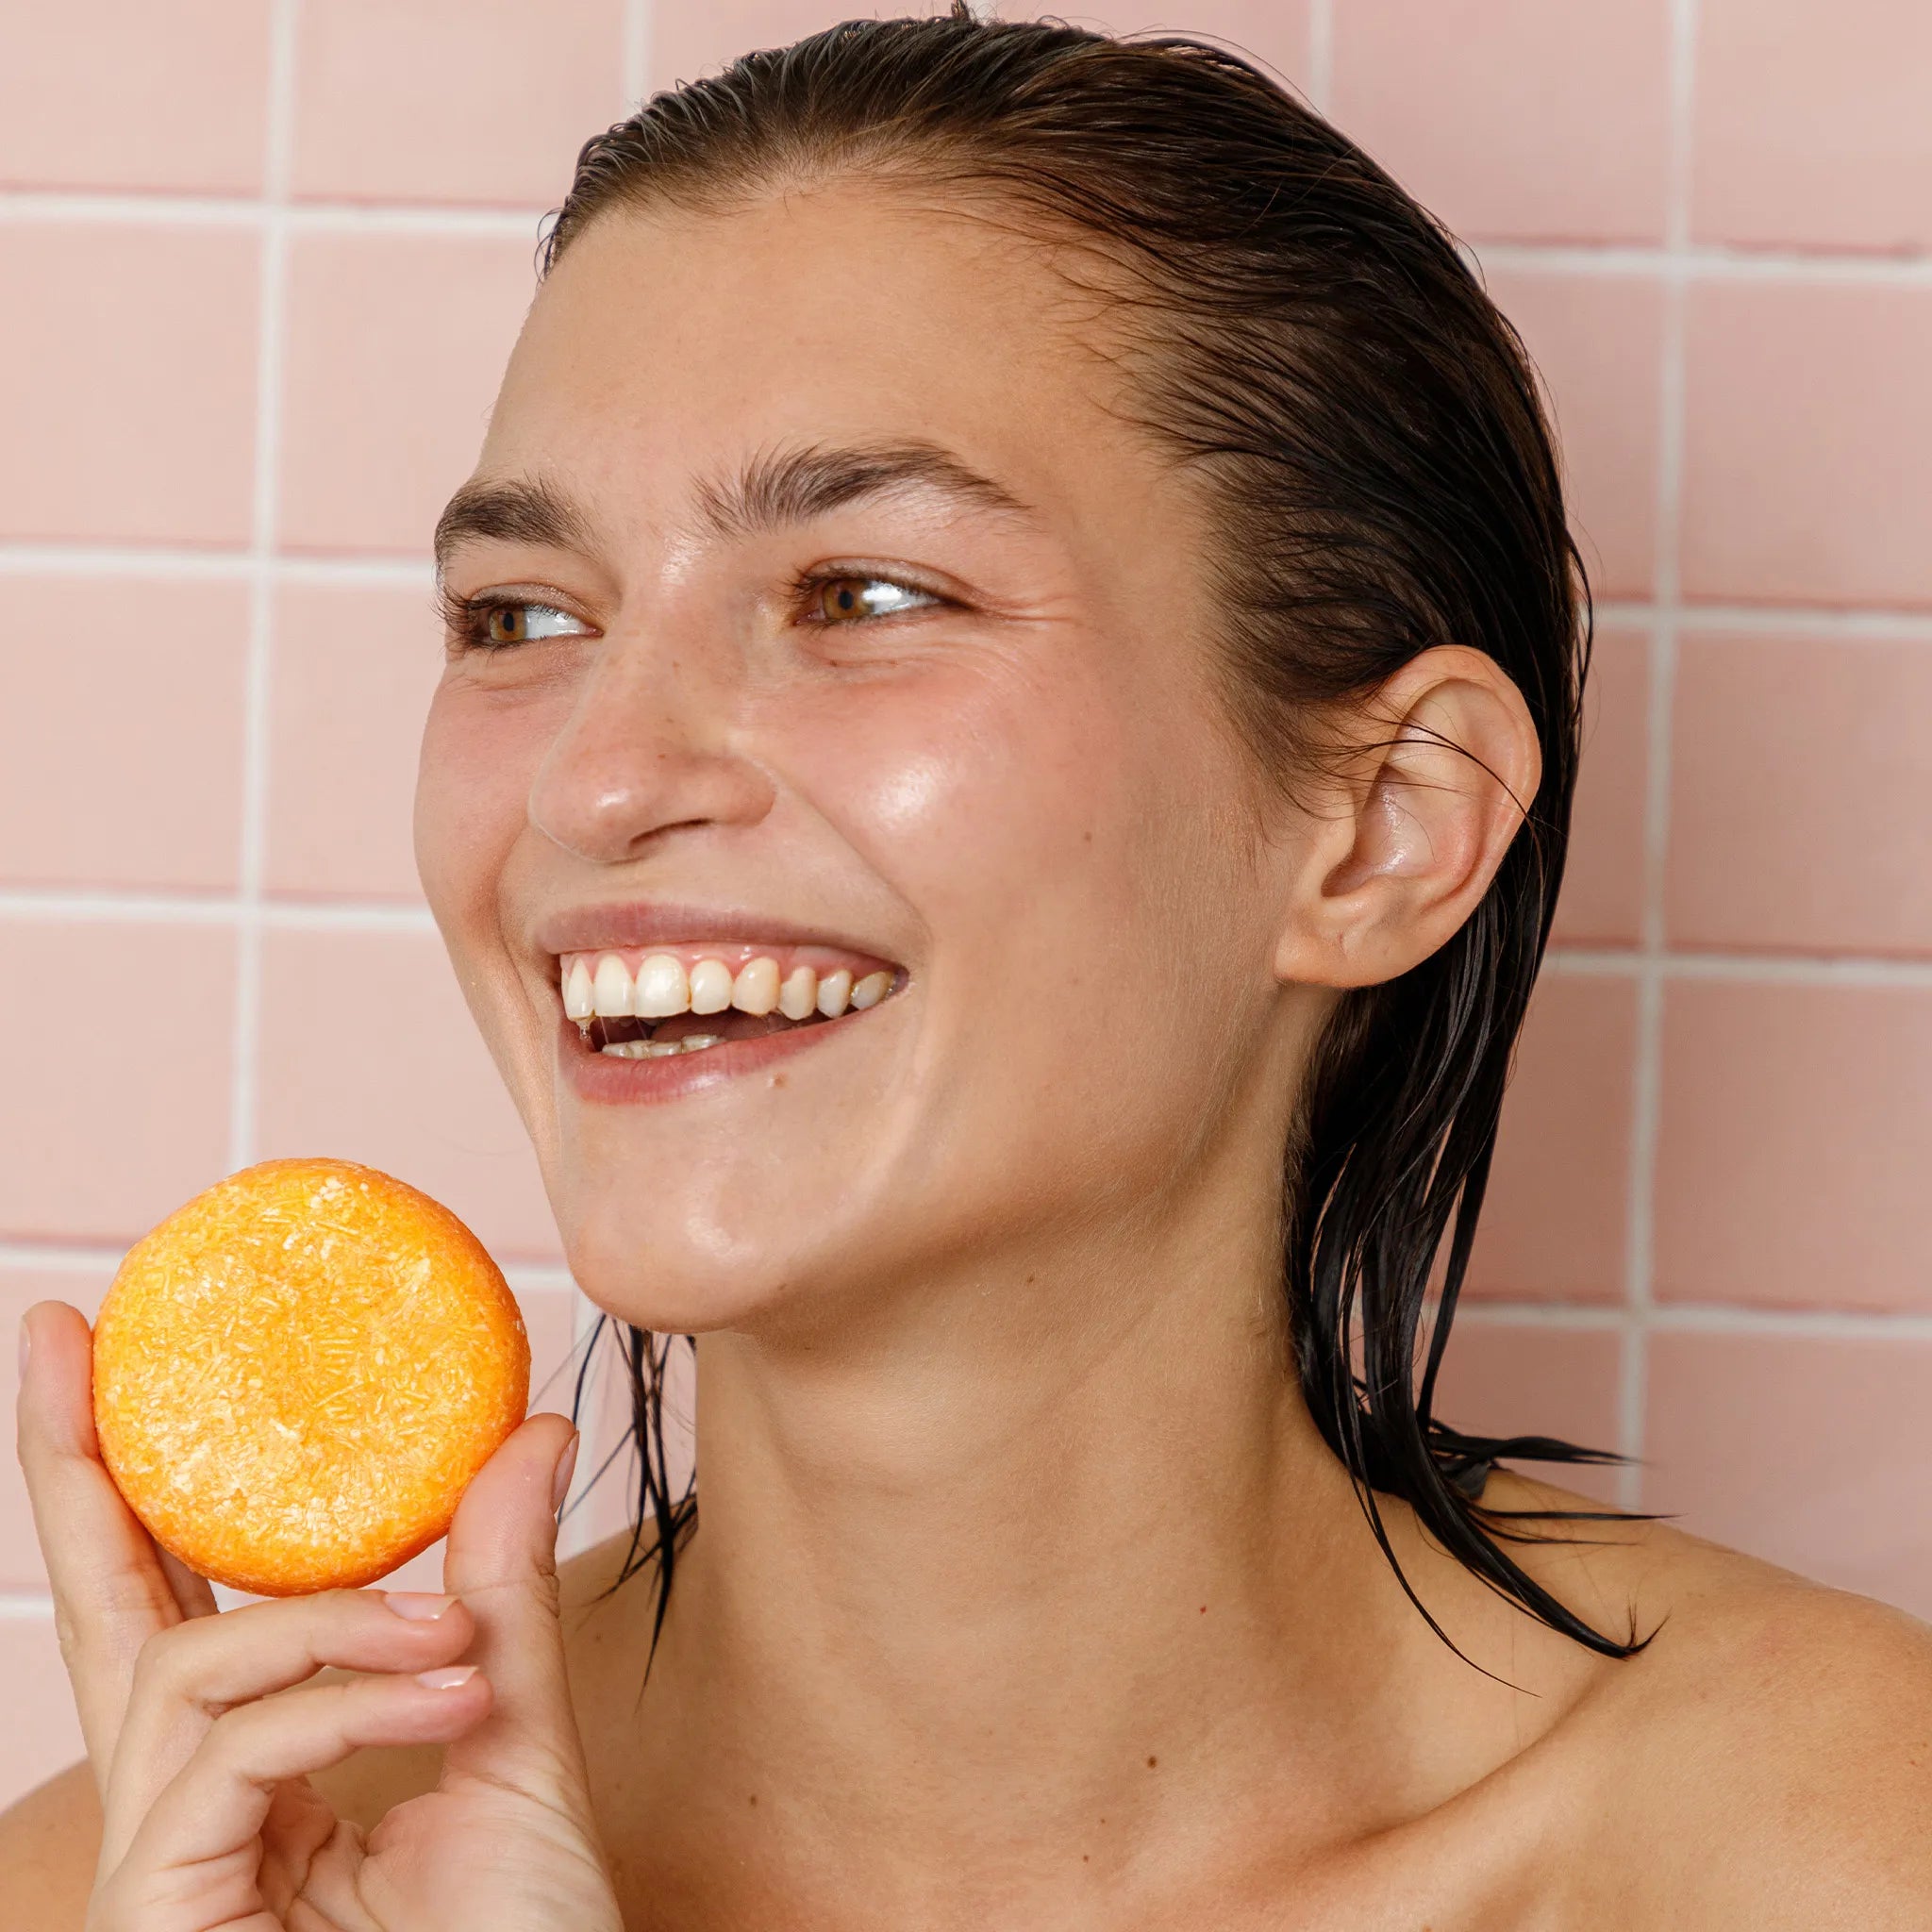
(980,755)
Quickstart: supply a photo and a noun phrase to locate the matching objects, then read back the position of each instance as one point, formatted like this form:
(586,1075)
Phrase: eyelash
(467,618)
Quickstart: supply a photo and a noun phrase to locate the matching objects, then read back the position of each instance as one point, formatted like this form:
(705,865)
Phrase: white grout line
(545,1276)
(1706,262)
(271,337)
(1646,1100)
(108,907)
(36,205)
(86,559)
(58,1258)
(635,69)
(1751,969)
(1838,1324)
(93,560)
(1598,1317)
(31,205)
(1701,1318)
(1838,622)
(26,1607)
(1320,90)
(346,916)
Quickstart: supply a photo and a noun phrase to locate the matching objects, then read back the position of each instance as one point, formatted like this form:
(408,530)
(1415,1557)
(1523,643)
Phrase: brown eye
(843,601)
(839,597)
(493,625)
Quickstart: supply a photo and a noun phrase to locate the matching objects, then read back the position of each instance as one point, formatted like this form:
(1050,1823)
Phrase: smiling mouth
(648,1006)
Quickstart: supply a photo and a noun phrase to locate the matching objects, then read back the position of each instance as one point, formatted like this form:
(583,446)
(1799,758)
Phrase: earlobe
(1452,759)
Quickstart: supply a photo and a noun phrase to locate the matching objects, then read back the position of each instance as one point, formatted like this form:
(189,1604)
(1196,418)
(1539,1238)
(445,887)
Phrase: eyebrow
(769,492)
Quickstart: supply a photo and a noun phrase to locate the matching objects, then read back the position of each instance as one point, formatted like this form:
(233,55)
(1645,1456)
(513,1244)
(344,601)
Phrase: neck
(1056,1545)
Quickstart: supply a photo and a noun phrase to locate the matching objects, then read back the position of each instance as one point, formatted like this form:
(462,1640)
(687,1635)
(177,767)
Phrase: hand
(201,1725)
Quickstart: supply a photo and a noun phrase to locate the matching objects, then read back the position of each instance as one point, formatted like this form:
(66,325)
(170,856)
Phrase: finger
(192,1592)
(501,1559)
(186,1676)
(110,1594)
(214,1807)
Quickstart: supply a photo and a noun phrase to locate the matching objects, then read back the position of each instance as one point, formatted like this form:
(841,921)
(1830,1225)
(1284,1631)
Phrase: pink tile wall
(1554,1227)
(464,101)
(396,343)
(365,1042)
(83,110)
(1809,1447)
(253,342)
(1513,117)
(128,387)
(1791,1146)
(1512,1380)
(156,669)
(1809,723)
(1808,442)
(1814,131)
(353,664)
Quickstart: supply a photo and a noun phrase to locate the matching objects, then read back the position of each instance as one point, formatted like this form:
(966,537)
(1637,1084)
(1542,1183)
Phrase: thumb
(501,1559)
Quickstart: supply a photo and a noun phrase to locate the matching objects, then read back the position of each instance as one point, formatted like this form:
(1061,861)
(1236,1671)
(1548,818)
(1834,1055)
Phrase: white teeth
(662,989)
(657,1049)
(800,997)
(755,988)
(711,987)
(611,988)
(870,990)
(603,989)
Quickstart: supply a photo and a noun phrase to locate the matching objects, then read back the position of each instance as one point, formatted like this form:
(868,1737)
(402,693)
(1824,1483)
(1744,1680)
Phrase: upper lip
(665,923)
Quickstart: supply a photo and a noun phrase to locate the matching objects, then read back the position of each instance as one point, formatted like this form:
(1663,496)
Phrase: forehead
(665,341)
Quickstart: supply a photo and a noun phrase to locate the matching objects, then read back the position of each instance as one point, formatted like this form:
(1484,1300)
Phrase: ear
(1406,845)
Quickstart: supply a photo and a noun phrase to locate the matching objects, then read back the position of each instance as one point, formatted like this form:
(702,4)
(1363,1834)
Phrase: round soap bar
(296,1375)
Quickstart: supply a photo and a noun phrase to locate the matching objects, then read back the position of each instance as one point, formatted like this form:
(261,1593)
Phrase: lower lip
(605,1077)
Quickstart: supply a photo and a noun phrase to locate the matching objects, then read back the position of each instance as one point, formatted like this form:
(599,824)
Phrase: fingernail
(26,1347)
(419,1605)
(448,1678)
(566,1464)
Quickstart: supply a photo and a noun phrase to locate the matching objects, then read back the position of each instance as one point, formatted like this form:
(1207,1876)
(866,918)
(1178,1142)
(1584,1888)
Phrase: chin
(640,1272)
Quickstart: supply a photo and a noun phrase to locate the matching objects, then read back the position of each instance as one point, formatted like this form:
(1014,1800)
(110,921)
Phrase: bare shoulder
(49,1840)
(1769,1752)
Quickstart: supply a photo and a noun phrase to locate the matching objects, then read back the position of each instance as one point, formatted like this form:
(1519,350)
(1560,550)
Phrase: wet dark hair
(1364,427)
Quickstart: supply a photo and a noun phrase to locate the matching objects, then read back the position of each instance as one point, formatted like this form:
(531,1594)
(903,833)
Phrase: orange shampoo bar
(296,1375)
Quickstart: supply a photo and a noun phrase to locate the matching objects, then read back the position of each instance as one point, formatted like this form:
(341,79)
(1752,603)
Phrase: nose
(650,745)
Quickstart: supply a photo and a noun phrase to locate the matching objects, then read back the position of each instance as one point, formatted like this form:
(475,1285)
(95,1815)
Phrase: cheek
(959,786)
(473,784)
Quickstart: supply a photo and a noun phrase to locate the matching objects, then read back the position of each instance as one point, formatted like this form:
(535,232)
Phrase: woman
(997,796)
